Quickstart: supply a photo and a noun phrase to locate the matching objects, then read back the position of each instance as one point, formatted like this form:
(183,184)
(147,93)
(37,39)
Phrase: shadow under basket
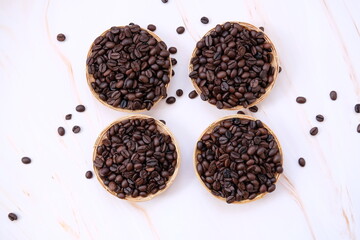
(209,130)
(90,78)
(274,63)
(161,128)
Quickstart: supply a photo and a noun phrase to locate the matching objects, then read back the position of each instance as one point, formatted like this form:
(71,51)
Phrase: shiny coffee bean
(173,61)
(262,28)
(68,116)
(180,30)
(89,174)
(170,100)
(151,27)
(314,131)
(60,37)
(333,95)
(253,109)
(358,128)
(163,121)
(204,20)
(301,100)
(241,112)
(302,162)
(357,108)
(172,50)
(179,92)
(12,216)
(319,118)
(61,131)
(80,108)
(26,160)
(193,94)
(76,129)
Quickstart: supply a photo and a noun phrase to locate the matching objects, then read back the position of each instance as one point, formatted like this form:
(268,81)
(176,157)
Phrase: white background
(42,80)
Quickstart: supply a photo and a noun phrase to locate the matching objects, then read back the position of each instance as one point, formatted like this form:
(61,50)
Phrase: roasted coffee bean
(180,30)
(26,160)
(80,108)
(240,112)
(302,162)
(314,131)
(333,95)
(319,118)
(163,121)
(68,117)
(358,128)
(238,159)
(151,27)
(179,92)
(61,131)
(76,129)
(172,50)
(164,1)
(173,61)
(131,69)
(301,100)
(357,108)
(280,69)
(89,174)
(262,28)
(253,109)
(12,216)
(137,158)
(231,66)
(193,94)
(60,37)
(204,20)
(170,100)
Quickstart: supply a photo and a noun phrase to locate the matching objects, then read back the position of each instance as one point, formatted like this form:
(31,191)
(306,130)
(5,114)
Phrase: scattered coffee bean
(80,108)
(170,100)
(179,92)
(232,66)
(253,109)
(357,108)
(173,61)
(314,131)
(301,100)
(60,37)
(262,28)
(280,69)
(319,118)
(172,72)
(61,131)
(89,174)
(333,95)
(151,27)
(240,112)
(76,129)
(26,160)
(135,159)
(238,159)
(163,121)
(358,128)
(12,216)
(180,30)
(172,50)
(193,94)
(68,116)
(130,67)
(164,1)
(302,162)
(204,20)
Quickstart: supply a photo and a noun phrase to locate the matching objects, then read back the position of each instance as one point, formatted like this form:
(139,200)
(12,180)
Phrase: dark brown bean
(180,30)
(76,129)
(240,112)
(80,108)
(314,131)
(262,28)
(204,20)
(358,128)
(68,117)
(163,121)
(26,160)
(12,216)
(179,92)
(193,94)
(89,174)
(164,1)
(61,131)
(151,27)
(170,100)
(333,95)
(357,108)
(60,37)
(302,162)
(172,50)
(319,118)
(301,100)
(253,109)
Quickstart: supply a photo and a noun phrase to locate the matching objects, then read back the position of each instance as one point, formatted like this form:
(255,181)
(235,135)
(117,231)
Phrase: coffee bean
(68,116)
(26,160)
(358,128)
(231,66)
(302,162)
(193,94)
(179,92)
(172,50)
(173,61)
(240,112)
(253,109)
(333,95)
(204,20)
(262,28)
(319,118)
(89,174)
(357,108)
(280,69)
(164,1)
(170,100)
(163,121)
(301,100)
(238,159)
(135,158)
(314,131)
(12,216)
(130,67)
(61,131)
(76,129)
(60,37)
(172,72)
(151,27)
(180,30)
(80,108)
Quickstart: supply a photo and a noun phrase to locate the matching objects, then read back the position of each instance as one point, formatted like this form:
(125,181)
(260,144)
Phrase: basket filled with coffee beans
(136,158)
(234,66)
(128,68)
(238,159)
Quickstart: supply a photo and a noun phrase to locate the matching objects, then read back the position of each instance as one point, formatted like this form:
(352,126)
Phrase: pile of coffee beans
(130,67)
(238,159)
(232,66)
(135,159)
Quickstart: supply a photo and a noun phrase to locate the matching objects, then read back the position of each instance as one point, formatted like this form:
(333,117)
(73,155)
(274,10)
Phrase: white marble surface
(42,80)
